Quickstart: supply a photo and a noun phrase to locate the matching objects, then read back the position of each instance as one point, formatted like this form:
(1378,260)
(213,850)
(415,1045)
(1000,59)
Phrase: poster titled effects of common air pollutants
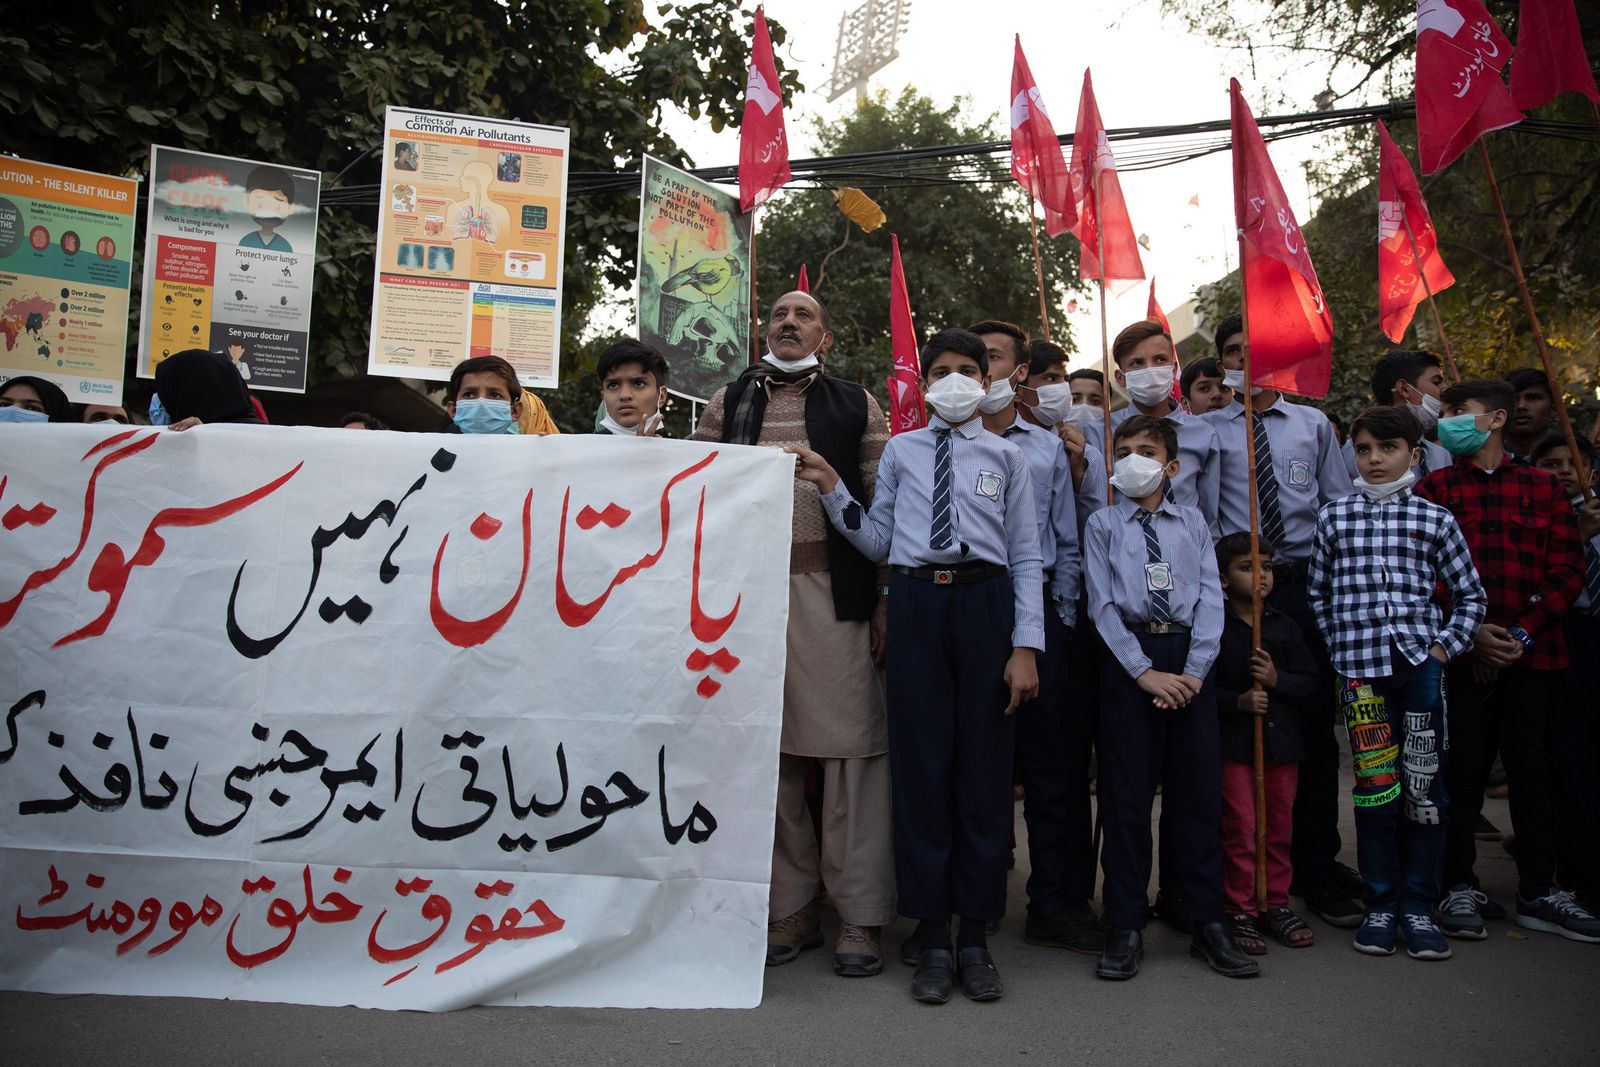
(694,278)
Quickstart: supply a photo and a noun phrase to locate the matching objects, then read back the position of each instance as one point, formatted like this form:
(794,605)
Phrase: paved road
(1528,998)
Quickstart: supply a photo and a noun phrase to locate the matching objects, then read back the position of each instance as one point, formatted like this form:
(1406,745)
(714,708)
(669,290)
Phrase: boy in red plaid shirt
(1524,542)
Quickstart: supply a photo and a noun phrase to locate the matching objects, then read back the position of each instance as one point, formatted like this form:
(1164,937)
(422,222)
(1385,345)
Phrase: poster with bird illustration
(693,297)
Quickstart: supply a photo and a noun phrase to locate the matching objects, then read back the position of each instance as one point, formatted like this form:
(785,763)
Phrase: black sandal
(1247,935)
(1290,930)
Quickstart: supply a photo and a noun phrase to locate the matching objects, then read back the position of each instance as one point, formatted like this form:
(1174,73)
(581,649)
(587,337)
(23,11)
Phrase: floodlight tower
(867,37)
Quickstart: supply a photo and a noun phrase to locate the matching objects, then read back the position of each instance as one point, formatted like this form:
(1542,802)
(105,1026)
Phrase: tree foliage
(965,247)
(305,82)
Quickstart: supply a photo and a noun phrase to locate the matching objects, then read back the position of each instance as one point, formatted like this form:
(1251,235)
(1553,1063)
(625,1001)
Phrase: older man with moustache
(833,708)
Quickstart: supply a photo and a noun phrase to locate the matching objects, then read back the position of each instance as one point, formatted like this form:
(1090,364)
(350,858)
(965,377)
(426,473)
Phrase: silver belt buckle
(944,577)
(1160,627)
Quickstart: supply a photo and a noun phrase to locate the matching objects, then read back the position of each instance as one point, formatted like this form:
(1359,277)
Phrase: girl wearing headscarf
(29,399)
(196,386)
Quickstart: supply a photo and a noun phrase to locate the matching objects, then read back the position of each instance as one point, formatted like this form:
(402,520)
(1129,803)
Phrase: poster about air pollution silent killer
(66,242)
(471,222)
(230,248)
(694,278)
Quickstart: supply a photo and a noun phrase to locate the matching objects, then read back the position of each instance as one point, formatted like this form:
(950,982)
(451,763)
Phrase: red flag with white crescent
(1460,97)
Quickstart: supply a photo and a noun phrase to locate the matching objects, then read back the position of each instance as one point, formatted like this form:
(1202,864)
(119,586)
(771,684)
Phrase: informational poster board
(230,251)
(66,247)
(693,290)
(471,223)
(397,720)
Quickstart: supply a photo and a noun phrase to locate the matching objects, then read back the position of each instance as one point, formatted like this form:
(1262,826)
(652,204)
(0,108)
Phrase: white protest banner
(393,720)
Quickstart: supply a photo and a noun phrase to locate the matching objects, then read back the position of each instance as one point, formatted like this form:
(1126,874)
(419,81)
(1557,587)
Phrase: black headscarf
(207,384)
(56,404)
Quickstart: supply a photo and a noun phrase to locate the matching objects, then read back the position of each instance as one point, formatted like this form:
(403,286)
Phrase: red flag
(1291,332)
(1036,160)
(804,284)
(763,147)
(1460,97)
(1097,195)
(1550,58)
(1400,205)
(1153,310)
(906,411)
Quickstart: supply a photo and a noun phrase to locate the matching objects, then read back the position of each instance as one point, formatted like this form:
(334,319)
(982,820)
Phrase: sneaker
(1484,830)
(1333,907)
(856,954)
(1376,936)
(1424,941)
(789,936)
(1491,910)
(1558,913)
(1458,914)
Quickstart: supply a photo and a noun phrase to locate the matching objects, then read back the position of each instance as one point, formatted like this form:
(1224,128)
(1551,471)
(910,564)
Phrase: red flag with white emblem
(1036,159)
(1097,196)
(906,410)
(1550,57)
(1460,97)
(1400,205)
(1291,332)
(763,146)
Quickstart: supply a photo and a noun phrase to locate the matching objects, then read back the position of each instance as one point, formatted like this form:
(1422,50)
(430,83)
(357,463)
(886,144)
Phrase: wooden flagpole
(1533,315)
(1105,336)
(1258,721)
(755,308)
(1038,261)
(1433,306)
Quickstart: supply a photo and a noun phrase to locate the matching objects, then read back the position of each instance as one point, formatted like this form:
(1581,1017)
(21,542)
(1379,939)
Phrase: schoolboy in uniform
(633,388)
(1378,557)
(954,515)
(1157,602)
(1411,381)
(1202,386)
(1054,735)
(1578,710)
(1524,541)
(1298,470)
(1050,401)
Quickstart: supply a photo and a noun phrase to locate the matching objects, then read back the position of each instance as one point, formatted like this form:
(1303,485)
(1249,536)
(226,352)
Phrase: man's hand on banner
(814,469)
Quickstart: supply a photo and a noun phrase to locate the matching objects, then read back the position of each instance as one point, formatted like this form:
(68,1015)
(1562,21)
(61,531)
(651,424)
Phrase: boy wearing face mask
(1524,541)
(1378,556)
(1145,368)
(1156,598)
(484,397)
(1051,406)
(953,513)
(1054,735)
(1410,381)
(1299,469)
(633,387)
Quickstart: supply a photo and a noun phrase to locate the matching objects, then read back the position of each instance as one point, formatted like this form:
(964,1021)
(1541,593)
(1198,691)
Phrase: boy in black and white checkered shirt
(1376,559)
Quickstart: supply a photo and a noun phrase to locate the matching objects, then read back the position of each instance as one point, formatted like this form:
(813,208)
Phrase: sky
(1146,70)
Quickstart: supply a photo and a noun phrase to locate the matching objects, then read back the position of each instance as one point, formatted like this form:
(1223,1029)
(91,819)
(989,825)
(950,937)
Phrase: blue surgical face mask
(1460,436)
(18,413)
(485,416)
(158,414)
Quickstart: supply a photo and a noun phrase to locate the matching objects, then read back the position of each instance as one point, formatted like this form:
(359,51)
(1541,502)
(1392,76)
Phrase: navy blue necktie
(1160,610)
(943,532)
(1267,488)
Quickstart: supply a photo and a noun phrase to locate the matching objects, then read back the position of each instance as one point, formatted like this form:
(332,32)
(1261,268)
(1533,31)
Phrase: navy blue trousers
(950,745)
(1141,745)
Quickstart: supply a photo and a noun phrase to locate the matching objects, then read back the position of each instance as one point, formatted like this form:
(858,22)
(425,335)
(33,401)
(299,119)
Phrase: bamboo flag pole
(1105,335)
(1527,303)
(1038,261)
(1433,305)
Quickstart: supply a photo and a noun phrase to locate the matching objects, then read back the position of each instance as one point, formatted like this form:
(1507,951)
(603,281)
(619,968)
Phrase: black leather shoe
(911,947)
(1348,881)
(1074,928)
(1120,960)
(935,977)
(1212,944)
(980,978)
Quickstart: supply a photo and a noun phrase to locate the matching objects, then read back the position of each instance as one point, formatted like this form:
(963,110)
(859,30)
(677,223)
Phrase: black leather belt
(1289,570)
(1157,628)
(958,574)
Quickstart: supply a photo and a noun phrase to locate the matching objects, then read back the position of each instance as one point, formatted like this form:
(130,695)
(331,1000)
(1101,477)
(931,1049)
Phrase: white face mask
(1234,379)
(803,363)
(1149,386)
(998,398)
(1379,493)
(1137,476)
(954,398)
(1055,402)
(1085,414)
(611,425)
(1426,412)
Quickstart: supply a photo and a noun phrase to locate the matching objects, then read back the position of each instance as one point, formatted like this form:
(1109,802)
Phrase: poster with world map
(66,243)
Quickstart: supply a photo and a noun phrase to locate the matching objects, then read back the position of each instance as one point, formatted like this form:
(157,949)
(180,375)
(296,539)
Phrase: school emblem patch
(989,484)
(1299,473)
